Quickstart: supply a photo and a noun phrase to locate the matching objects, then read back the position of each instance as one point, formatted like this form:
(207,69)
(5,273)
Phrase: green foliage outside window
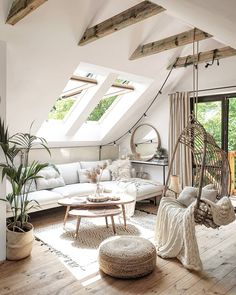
(101,108)
(232,125)
(61,108)
(209,114)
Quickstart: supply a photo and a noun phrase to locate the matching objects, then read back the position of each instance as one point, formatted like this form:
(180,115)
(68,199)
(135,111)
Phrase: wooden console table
(153,163)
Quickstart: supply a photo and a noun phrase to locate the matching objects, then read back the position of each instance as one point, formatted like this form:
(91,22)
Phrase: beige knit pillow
(120,169)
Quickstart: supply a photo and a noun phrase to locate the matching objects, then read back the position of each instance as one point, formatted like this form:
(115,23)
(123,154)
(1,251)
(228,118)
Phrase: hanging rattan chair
(210,165)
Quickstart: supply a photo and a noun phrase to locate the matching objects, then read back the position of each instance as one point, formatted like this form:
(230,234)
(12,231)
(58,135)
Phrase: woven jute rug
(81,253)
(147,207)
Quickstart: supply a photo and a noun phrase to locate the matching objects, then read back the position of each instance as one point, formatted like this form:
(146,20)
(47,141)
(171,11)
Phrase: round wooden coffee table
(108,211)
(81,203)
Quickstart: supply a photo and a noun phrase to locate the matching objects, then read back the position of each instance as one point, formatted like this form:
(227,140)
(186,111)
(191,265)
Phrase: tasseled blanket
(175,229)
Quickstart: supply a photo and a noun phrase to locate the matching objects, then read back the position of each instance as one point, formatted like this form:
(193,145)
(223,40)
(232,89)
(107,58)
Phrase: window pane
(232,125)
(101,108)
(209,115)
(61,108)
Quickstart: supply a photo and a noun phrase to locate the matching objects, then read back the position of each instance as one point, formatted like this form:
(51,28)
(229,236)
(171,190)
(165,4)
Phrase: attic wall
(214,76)
(74,154)
(3,117)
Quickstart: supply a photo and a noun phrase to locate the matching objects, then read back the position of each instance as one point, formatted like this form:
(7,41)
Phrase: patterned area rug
(82,252)
(147,207)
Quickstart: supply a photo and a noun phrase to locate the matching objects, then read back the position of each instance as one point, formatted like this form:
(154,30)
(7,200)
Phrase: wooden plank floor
(43,273)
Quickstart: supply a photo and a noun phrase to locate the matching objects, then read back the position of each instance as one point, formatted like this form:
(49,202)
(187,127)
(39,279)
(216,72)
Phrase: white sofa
(47,192)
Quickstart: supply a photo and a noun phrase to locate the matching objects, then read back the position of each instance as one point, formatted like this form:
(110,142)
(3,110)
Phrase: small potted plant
(21,174)
(161,153)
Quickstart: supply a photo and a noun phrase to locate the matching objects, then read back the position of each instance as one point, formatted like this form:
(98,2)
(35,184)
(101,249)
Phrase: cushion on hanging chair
(209,194)
(189,194)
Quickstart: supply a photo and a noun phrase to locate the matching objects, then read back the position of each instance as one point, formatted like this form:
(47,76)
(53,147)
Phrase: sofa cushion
(83,175)
(30,185)
(120,169)
(148,189)
(77,189)
(141,190)
(43,197)
(69,172)
(93,164)
(50,178)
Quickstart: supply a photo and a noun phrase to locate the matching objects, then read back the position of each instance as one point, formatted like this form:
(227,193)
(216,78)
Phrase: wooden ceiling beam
(21,8)
(120,21)
(169,43)
(203,57)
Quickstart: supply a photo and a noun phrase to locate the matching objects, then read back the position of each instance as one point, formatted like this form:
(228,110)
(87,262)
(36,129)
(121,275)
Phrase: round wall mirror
(144,142)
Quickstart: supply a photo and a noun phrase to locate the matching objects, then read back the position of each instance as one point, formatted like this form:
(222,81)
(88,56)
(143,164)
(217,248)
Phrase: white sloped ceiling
(42,51)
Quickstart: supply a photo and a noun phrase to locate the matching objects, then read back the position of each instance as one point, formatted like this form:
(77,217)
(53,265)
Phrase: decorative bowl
(96,199)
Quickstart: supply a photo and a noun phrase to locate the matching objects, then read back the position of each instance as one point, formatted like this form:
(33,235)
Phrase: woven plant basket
(19,244)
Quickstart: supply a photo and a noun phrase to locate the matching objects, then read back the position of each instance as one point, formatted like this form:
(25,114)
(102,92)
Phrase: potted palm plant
(21,175)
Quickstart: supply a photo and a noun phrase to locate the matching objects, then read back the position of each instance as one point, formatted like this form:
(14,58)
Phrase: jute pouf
(127,257)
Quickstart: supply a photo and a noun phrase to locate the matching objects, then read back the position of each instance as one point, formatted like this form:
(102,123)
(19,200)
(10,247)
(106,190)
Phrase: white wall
(74,154)
(3,117)
(158,116)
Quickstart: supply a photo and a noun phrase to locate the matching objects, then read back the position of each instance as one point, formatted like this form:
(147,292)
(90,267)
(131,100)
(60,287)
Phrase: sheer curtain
(179,113)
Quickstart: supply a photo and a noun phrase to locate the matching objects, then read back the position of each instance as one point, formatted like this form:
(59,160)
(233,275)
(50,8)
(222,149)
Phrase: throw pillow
(69,172)
(30,186)
(209,192)
(121,169)
(106,175)
(83,175)
(50,178)
(188,195)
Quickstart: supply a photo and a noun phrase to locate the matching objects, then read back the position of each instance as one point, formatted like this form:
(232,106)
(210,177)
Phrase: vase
(98,190)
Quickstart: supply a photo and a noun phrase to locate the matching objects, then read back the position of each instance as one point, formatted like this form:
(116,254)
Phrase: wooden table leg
(106,222)
(66,215)
(77,227)
(124,215)
(113,224)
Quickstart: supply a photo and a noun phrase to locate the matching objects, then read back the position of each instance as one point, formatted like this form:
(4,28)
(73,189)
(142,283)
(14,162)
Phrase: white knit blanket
(131,186)
(175,229)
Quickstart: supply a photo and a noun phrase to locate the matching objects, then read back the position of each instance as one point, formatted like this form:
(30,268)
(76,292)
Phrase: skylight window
(119,88)
(61,108)
(70,94)
(101,108)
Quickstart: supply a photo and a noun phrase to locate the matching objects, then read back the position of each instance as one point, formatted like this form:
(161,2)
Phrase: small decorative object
(79,200)
(97,199)
(161,153)
(95,175)
(114,198)
(175,184)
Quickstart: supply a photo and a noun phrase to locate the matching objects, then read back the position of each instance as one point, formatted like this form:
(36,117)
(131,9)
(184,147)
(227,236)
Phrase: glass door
(209,114)
(232,141)
(217,114)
